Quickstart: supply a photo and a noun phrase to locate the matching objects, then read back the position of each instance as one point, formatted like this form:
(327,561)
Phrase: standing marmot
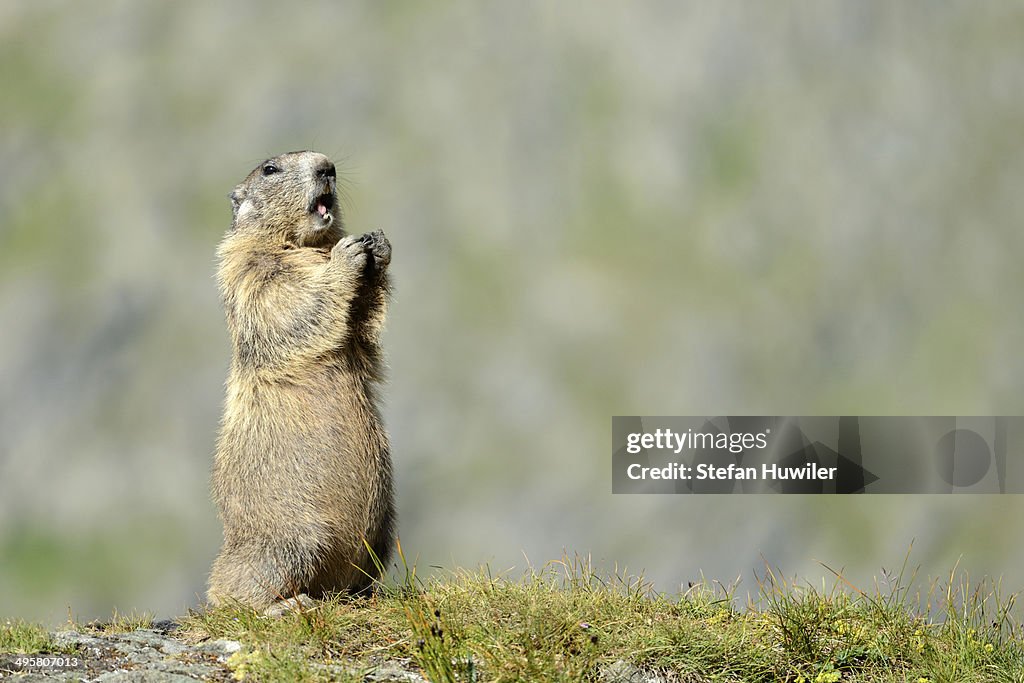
(302,473)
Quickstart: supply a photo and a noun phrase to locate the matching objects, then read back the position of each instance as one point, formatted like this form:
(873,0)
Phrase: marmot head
(293,195)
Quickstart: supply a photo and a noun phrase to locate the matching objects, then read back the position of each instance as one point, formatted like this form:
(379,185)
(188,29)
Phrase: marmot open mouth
(321,206)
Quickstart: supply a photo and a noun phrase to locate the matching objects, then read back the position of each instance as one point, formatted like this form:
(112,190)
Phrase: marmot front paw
(378,246)
(351,250)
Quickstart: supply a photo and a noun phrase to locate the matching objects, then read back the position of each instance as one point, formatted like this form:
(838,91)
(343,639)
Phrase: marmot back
(302,472)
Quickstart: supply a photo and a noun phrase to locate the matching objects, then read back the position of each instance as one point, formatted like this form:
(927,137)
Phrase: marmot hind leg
(257,577)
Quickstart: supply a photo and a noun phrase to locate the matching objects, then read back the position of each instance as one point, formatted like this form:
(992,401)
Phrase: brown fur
(302,473)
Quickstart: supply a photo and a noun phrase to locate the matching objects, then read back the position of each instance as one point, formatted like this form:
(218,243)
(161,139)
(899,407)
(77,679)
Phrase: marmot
(302,472)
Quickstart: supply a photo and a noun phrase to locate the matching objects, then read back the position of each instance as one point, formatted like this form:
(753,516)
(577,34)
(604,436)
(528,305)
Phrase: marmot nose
(325,170)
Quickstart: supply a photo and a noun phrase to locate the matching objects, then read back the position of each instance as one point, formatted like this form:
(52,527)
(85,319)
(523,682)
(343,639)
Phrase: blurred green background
(650,208)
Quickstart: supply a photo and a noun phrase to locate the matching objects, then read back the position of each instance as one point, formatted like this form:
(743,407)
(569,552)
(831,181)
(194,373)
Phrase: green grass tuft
(569,622)
(18,637)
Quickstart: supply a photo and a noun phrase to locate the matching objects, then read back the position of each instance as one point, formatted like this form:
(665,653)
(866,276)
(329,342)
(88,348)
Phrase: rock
(66,640)
(153,655)
(389,672)
(143,676)
(624,672)
(165,626)
(223,648)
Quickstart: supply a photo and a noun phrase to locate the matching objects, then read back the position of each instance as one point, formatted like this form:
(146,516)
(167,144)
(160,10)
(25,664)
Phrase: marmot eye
(270,169)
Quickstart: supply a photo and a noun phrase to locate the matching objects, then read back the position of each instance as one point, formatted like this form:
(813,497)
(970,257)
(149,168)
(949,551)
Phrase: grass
(568,622)
(20,637)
